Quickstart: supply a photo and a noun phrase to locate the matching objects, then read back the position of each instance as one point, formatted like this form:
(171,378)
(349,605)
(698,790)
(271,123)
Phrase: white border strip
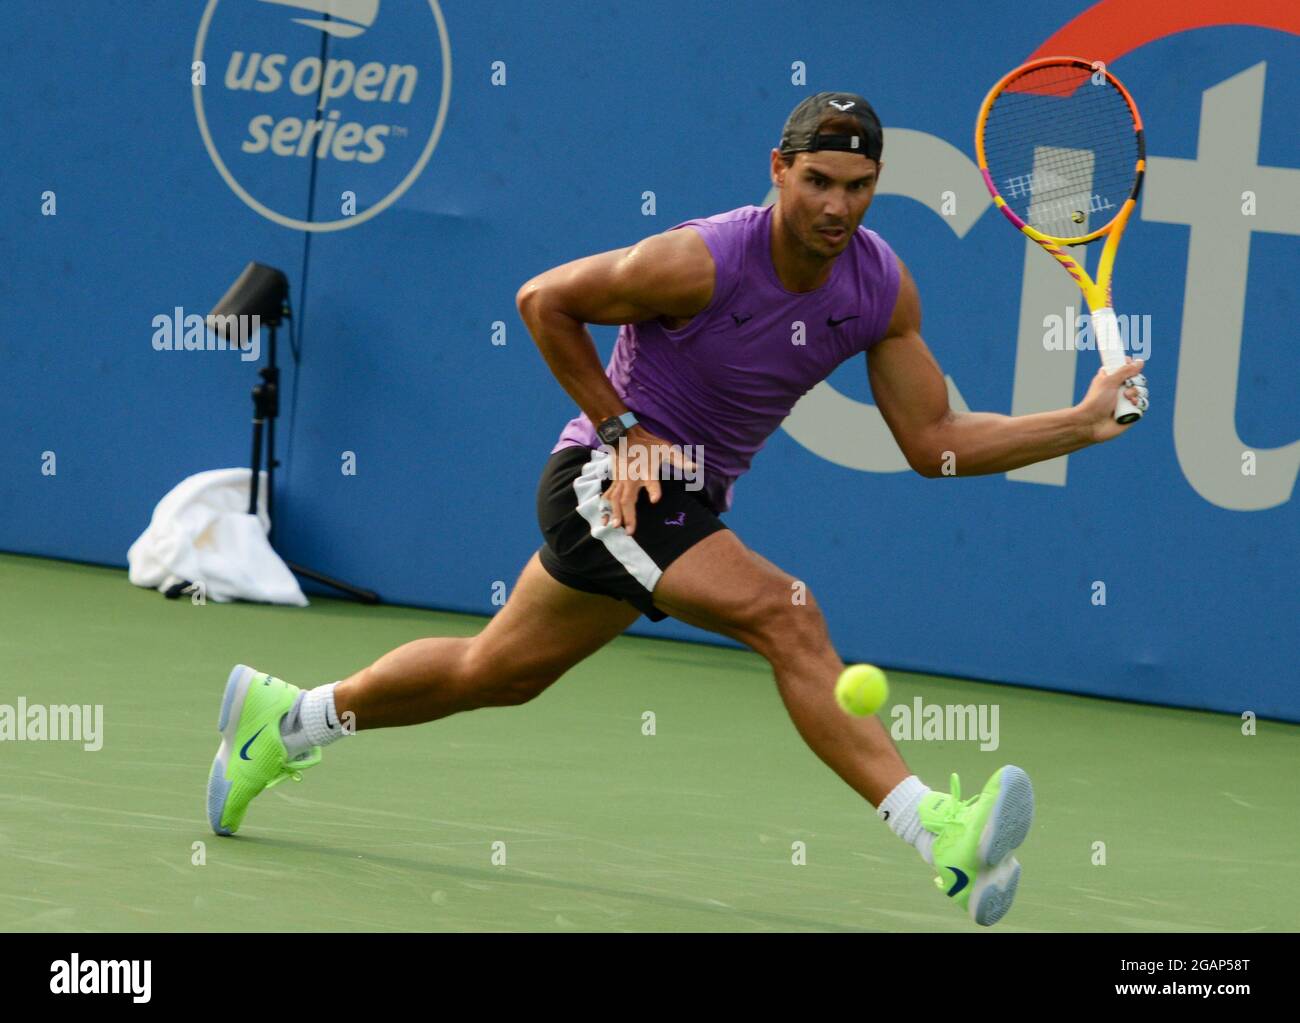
(626,551)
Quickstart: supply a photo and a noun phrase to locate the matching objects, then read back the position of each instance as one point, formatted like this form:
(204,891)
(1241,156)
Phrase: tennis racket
(1059,142)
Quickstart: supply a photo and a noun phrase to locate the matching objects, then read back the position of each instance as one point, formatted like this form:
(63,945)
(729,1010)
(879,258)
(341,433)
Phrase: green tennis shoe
(974,839)
(252,757)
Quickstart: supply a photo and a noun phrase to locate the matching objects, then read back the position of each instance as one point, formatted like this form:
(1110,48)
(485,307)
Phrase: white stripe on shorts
(625,550)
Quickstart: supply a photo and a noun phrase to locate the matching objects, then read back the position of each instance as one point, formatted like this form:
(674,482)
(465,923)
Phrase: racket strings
(1061,150)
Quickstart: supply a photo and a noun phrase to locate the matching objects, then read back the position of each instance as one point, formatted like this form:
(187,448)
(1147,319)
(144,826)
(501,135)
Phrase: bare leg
(544,629)
(723,586)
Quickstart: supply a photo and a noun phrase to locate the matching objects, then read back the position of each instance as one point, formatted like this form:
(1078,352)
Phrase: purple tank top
(727,379)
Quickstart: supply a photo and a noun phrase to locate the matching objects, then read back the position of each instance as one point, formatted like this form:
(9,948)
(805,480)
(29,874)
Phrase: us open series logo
(359,86)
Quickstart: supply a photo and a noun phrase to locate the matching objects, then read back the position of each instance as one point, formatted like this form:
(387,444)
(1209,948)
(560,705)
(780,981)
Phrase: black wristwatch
(615,427)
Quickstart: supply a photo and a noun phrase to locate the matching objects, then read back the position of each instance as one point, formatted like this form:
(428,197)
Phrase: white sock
(898,810)
(311,721)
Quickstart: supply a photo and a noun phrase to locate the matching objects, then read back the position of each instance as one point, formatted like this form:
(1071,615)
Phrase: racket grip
(1110,345)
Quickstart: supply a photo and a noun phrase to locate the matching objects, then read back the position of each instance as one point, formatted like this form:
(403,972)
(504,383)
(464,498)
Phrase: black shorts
(580,551)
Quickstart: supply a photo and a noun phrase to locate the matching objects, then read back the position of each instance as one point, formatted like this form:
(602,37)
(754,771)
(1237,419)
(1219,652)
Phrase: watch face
(610,431)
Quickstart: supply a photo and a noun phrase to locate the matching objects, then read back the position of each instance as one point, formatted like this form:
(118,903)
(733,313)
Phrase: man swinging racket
(704,364)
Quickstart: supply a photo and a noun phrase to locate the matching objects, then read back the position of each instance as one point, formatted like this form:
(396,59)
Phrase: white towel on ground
(201,532)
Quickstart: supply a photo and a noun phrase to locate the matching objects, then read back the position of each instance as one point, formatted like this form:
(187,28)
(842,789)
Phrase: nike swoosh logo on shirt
(741,319)
(832,322)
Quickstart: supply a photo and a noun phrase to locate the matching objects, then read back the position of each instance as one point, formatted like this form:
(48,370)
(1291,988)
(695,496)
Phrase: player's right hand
(636,463)
(1098,405)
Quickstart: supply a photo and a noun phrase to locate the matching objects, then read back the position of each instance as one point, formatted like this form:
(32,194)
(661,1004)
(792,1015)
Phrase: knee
(789,625)
(514,692)
(489,681)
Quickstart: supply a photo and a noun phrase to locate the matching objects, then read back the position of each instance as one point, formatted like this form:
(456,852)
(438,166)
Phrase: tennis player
(726,322)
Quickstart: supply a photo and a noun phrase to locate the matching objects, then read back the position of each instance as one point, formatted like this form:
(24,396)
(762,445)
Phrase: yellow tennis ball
(861,689)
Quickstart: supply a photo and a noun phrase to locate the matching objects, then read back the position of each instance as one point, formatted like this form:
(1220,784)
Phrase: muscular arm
(668,274)
(910,391)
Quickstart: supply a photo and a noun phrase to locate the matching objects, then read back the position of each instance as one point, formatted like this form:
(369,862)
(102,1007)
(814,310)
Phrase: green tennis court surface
(603,828)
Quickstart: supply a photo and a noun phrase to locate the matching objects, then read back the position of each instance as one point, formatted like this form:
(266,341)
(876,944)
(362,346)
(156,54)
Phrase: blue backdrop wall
(413,163)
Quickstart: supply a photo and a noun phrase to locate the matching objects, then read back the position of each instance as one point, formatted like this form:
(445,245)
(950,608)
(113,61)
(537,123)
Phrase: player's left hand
(1098,405)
